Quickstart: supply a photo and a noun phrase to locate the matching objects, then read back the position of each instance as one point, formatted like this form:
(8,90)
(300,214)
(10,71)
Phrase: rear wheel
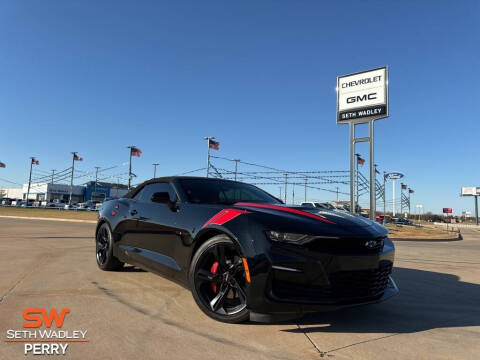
(104,249)
(217,280)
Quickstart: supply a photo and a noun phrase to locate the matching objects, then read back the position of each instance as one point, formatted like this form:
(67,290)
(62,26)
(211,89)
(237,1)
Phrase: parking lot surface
(136,314)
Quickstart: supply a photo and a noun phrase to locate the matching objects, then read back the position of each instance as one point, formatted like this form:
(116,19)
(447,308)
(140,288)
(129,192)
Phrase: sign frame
(366,119)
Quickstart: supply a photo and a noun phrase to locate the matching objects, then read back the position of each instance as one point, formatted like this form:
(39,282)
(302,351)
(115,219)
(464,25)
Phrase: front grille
(343,286)
(347,245)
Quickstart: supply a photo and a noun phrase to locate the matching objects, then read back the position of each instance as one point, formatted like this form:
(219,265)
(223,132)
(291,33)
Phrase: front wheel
(217,280)
(104,249)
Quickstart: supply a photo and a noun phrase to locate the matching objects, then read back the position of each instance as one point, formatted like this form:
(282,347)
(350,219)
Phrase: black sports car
(242,252)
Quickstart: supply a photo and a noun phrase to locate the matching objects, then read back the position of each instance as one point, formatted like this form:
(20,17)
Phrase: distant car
(7,201)
(58,203)
(24,203)
(89,205)
(71,206)
(313,204)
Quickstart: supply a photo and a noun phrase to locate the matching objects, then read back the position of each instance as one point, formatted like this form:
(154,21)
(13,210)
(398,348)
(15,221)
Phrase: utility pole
(155,170)
(337,193)
(53,174)
(236,167)
(71,178)
(306,189)
(96,179)
(293,193)
(384,199)
(32,161)
(476,209)
(208,138)
(286,182)
(280,192)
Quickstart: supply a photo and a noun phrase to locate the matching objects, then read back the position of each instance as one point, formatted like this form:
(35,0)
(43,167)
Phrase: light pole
(236,167)
(96,180)
(208,138)
(155,170)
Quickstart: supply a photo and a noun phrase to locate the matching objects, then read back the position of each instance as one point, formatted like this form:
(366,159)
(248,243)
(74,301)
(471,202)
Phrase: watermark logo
(42,333)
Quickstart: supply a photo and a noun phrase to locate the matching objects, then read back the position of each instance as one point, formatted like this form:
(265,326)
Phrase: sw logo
(35,320)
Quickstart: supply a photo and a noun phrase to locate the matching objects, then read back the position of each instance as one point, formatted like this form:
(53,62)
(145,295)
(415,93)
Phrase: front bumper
(294,279)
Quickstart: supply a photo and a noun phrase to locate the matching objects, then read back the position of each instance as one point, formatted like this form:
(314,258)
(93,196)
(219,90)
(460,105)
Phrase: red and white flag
(411,191)
(212,144)
(2,165)
(77,158)
(404,187)
(360,161)
(35,161)
(135,151)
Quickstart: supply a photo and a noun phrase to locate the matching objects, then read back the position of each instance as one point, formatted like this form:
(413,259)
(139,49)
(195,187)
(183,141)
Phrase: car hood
(313,220)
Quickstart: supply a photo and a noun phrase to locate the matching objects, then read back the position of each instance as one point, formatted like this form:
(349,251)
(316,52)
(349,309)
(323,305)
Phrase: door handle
(133,212)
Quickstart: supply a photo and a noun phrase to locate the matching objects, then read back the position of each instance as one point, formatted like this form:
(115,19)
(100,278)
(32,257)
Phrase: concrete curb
(458,238)
(48,219)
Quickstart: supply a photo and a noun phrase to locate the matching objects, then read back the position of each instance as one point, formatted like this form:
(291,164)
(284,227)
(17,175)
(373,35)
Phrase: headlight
(289,237)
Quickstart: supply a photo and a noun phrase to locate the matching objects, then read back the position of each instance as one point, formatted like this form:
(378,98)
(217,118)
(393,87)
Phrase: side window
(146,193)
(138,195)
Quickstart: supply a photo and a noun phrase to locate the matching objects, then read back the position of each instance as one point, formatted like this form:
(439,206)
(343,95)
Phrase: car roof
(132,192)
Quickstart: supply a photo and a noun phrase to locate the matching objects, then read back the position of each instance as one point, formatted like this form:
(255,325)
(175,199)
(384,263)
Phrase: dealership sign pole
(472,191)
(362,98)
(393,176)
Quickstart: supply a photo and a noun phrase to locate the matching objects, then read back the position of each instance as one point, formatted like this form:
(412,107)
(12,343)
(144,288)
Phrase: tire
(219,290)
(104,249)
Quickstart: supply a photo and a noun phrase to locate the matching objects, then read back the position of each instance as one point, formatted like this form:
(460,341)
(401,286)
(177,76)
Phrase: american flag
(135,151)
(360,161)
(35,161)
(212,144)
(404,187)
(411,191)
(2,165)
(376,171)
(77,158)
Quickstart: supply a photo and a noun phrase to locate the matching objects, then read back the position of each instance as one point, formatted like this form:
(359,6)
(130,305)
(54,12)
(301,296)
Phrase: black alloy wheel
(217,280)
(104,249)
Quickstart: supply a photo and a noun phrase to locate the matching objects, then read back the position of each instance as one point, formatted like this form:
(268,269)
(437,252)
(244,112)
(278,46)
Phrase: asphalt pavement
(136,314)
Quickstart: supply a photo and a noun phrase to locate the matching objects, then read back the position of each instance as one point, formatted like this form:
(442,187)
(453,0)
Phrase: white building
(45,191)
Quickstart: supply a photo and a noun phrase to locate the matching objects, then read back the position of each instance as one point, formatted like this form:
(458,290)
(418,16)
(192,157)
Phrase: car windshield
(204,191)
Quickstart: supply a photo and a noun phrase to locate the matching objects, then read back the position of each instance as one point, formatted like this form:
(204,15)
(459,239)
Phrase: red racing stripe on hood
(224,216)
(286,209)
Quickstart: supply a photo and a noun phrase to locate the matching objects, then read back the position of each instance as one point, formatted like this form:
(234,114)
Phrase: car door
(157,234)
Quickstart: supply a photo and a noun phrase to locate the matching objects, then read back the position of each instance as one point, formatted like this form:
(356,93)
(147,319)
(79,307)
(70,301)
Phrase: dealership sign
(393,176)
(362,96)
(447,210)
(471,191)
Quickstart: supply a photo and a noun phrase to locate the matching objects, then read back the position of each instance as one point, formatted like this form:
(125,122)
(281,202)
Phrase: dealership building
(49,192)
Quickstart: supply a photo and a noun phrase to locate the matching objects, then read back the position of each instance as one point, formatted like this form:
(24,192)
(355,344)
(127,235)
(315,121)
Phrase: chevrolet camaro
(242,252)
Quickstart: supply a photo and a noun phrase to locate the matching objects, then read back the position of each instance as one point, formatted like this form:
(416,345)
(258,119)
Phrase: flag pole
(208,138)
(130,168)
(71,178)
(29,181)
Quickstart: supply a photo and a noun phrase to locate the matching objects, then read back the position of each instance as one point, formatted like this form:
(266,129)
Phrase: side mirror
(163,198)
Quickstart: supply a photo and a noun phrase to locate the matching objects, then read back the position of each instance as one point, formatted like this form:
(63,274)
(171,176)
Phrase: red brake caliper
(214,270)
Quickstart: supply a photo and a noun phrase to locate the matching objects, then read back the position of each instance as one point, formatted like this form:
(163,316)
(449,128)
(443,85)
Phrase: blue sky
(96,76)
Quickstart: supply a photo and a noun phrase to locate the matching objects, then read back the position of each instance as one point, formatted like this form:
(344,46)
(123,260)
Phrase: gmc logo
(353,99)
